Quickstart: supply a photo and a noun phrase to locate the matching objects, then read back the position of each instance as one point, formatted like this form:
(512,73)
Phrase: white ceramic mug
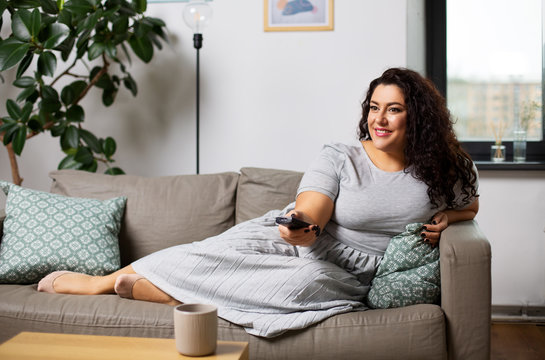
(196,329)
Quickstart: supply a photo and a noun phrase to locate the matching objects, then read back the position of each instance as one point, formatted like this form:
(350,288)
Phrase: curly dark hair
(432,152)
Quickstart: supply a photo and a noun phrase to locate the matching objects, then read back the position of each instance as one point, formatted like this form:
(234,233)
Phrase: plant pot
(497,153)
(519,146)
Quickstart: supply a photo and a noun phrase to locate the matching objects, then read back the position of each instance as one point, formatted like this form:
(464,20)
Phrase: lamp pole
(197,15)
(197,43)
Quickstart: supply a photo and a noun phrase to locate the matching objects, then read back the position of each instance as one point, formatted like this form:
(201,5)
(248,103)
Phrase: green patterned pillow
(408,274)
(45,232)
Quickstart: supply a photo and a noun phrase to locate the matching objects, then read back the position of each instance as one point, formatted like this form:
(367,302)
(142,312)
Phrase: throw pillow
(408,274)
(45,232)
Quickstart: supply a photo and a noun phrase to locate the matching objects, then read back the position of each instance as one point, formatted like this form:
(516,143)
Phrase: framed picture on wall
(298,15)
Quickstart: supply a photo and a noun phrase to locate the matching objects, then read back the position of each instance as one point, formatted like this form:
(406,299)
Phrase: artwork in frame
(298,15)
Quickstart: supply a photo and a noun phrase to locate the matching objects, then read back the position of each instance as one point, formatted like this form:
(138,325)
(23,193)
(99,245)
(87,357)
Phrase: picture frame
(298,15)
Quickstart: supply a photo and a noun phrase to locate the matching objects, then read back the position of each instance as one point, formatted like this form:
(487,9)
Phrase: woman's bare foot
(144,290)
(66,282)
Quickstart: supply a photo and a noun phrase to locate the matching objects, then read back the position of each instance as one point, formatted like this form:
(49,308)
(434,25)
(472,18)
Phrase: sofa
(170,210)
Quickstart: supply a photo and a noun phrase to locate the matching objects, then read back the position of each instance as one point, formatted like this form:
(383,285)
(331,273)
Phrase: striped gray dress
(262,283)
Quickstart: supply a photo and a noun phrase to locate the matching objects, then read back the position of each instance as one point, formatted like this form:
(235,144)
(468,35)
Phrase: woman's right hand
(299,237)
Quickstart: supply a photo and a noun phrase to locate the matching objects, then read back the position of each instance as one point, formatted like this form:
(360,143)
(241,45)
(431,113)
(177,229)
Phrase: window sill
(509,165)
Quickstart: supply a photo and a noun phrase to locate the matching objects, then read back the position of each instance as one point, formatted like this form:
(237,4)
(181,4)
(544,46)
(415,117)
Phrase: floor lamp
(197,15)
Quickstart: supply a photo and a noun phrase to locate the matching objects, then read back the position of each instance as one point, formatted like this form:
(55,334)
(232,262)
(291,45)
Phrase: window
(485,56)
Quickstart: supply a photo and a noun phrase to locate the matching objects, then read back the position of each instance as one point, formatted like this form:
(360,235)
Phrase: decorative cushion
(161,211)
(408,274)
(261,190)
(45,232)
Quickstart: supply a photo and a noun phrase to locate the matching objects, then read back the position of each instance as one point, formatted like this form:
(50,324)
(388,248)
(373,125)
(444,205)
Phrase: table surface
(34,345)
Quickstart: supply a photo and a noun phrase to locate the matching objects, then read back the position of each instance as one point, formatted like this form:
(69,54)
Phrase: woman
(408,168)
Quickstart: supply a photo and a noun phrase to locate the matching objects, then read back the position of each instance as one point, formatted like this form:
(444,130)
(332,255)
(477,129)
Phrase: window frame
(436,70)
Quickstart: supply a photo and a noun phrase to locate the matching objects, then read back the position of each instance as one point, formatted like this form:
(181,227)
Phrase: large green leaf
(91,140)
(75,113)
(78,7)
(10,133)
(114,171)
(130,84)
(36,22)
(18,141)
(95,50)
(108,96)
(13,109)
(111,50)
(109,146)
(67,95)
(120,24)
(49,6)
(24,64)
(84,156)
(69,163)
(70,138)
(47,63)
(28,94)
(24,82)
(66,47)
(50,105)
(70,93)
(57,34)
(34,124)
(142,47)
(6,126)
(21,25)
(140,5)
(11,52)
(26,111)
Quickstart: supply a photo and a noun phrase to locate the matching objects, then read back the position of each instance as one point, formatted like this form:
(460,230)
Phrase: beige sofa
(166,211)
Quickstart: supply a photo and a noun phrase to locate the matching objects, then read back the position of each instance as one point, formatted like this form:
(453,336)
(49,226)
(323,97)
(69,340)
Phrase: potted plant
(49,45)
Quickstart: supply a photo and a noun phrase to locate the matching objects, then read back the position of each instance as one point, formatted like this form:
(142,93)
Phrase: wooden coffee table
(33,345)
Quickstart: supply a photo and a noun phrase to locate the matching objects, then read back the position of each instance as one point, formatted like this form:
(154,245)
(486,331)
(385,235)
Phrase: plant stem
(97,77)
(17,179)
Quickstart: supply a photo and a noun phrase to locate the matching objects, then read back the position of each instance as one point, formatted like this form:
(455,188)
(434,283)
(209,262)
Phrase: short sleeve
(323,175)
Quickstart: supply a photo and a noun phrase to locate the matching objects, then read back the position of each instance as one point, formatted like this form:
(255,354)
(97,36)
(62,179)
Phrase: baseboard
(516,313)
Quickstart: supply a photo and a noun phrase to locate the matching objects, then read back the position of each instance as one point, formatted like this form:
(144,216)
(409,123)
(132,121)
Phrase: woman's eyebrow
(388,104)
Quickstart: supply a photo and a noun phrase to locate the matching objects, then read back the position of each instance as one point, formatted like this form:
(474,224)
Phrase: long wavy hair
(433,154)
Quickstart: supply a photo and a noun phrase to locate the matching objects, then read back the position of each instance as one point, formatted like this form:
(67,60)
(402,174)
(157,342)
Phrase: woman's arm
(443,219)
(312,207)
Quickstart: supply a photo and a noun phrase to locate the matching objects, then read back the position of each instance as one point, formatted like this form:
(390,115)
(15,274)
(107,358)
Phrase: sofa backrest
(172,210)
(260,190)
(161,211)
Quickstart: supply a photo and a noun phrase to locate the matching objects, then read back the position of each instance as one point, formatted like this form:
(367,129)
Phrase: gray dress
(262,283)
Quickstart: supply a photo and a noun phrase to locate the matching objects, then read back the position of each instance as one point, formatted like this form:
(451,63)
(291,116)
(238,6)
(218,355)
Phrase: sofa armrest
(466,290)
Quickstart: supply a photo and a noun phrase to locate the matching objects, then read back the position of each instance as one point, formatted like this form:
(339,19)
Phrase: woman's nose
(381,118)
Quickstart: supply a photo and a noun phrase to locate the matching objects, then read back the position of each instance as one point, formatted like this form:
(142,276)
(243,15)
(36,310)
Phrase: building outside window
(487,58)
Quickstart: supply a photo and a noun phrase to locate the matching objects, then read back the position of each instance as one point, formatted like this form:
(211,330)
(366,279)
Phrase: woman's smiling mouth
(382,132)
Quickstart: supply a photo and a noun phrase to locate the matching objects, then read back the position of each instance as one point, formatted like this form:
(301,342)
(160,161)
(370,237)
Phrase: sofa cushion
(408,274)
(260,190)
(413,332)
(160,211)
(45,232)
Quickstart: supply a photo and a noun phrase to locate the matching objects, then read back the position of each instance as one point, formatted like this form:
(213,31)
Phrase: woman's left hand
(432,232)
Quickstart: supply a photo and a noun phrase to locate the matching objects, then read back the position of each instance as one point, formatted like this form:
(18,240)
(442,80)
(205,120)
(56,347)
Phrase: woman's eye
(374,108)
(395,110)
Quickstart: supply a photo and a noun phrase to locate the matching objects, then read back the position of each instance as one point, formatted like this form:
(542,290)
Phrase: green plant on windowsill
(89,34)
(528,114)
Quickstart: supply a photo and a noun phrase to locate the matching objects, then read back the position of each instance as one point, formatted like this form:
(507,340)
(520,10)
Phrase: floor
(514,341)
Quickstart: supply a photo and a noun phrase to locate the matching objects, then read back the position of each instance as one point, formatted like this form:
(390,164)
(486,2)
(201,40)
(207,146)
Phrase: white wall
(272,99)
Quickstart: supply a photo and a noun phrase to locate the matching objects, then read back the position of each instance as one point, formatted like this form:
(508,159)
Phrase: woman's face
(387,118)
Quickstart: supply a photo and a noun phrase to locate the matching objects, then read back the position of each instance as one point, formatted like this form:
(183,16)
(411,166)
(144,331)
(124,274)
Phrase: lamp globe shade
(197,15)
